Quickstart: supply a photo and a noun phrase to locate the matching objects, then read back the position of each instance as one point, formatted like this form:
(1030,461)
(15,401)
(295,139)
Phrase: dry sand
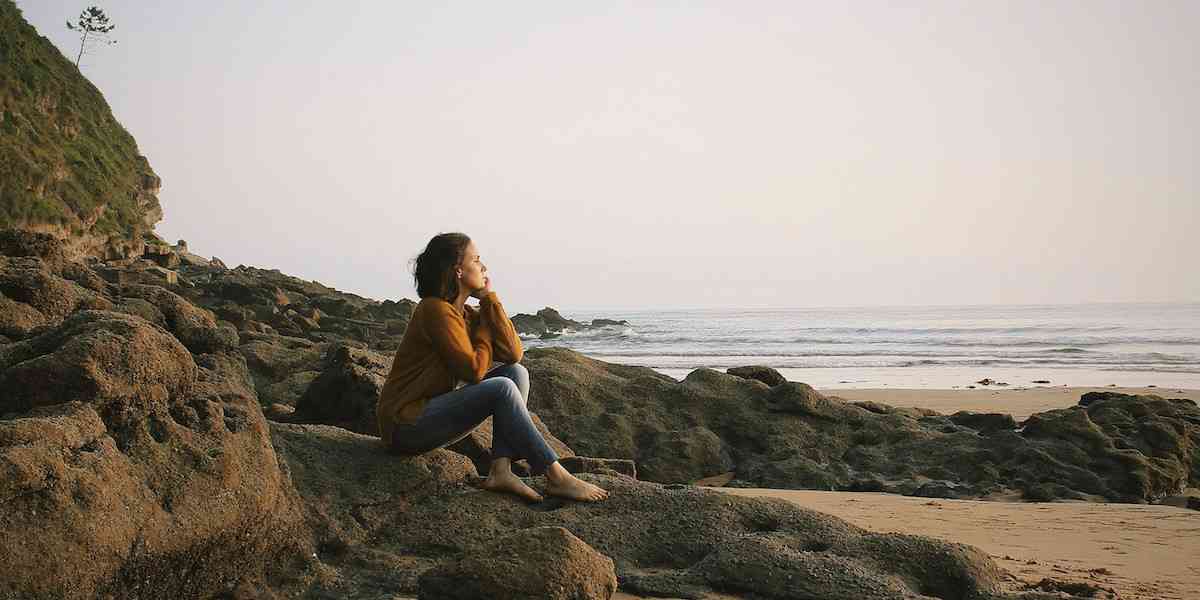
(1020,402)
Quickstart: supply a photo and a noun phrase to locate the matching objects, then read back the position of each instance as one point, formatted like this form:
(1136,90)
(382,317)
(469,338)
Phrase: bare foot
(510,483)
(575,489)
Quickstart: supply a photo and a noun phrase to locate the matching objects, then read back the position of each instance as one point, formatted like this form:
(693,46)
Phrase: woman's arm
(447,330)
(506,344)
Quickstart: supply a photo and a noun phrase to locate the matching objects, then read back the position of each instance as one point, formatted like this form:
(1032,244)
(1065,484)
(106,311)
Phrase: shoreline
(1020,402)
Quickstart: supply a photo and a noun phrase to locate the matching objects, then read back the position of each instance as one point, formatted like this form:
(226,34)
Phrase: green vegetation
(63,157)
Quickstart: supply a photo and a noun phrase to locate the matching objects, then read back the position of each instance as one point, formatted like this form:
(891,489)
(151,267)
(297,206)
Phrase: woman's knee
(505,390)
(515,371)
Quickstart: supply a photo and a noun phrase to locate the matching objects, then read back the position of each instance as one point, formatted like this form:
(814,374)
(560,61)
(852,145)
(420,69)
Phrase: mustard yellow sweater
(440,348)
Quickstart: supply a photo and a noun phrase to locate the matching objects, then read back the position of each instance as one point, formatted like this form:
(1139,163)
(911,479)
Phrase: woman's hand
(483,291)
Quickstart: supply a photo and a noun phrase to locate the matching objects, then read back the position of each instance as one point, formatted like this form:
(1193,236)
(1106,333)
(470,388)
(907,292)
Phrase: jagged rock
(347,390)
(548,323)
(766,375)
(540,562)
(34,294)
(529,324)
(162,256)
(17,242)
(587,464)
(556,321)
(196,327)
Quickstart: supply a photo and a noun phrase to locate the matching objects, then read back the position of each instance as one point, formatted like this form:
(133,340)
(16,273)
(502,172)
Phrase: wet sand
(1020,402)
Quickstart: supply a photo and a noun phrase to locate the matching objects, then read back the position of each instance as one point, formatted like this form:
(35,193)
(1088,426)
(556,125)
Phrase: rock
(680,540)
(986,381)
(939,489)
(585,464)
(684,455)
(162,256)
(126,463)
(557,322)
(34,293)
(279,412)
(540,562)
(802,399)
(529,324)
(195,327)
(352,487)
(17,242)
(1041,381)
(347,390)
(766,375)
(608,322)
(548,323)
(1122,449)
(984,422)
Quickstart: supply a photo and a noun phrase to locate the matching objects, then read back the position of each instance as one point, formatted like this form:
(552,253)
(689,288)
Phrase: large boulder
(196,327)
(347,390)
(540,562)
(131,469)
(34,293)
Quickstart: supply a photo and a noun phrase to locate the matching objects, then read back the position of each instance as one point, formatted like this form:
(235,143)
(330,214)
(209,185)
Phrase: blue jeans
(449,417)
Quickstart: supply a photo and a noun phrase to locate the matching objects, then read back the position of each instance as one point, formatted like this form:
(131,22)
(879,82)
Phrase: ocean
(935,347)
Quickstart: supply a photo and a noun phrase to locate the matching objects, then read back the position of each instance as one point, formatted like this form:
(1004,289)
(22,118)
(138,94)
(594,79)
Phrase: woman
(420,408)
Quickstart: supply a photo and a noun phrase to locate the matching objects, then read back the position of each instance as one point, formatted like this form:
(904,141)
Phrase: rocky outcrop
(133,468)
(547,323)
(346,390)
(408,525)
(1111,447)
(69,168)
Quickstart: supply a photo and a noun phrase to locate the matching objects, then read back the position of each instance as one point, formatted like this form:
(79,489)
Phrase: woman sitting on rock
(420,409)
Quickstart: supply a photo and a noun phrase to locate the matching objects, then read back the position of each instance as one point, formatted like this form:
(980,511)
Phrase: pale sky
(673,155)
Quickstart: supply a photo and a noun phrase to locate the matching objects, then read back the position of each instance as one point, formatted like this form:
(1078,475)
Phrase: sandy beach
(1020,402)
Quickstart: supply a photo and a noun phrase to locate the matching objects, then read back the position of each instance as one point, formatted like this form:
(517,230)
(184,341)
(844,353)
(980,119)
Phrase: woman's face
(473,269)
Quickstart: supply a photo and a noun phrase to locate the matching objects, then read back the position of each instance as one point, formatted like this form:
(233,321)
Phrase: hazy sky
(621,155)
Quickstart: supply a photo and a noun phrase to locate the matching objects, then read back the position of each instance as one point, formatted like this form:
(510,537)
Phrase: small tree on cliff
(93,23)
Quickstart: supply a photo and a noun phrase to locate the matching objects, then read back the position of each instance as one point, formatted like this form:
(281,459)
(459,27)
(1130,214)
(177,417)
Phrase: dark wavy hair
(435,266)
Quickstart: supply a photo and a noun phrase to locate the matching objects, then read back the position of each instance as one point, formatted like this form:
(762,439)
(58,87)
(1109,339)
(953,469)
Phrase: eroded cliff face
(67,167)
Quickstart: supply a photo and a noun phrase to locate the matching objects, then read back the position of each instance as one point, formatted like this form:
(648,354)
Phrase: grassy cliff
(66,165)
